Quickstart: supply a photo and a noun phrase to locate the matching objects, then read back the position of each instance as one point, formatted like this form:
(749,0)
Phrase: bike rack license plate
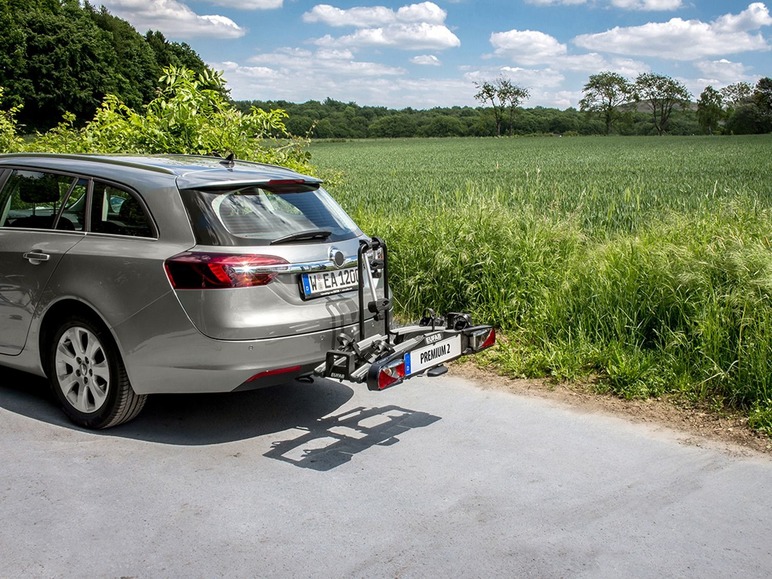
(429,356)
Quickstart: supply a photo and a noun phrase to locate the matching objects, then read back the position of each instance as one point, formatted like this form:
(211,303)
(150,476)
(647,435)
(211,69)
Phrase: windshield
(257,216)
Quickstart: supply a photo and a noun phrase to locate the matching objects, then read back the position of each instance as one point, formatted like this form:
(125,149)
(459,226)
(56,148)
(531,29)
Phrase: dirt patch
(697,426)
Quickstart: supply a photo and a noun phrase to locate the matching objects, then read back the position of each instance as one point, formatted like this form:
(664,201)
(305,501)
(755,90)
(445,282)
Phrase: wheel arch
(120,402)
(56,315)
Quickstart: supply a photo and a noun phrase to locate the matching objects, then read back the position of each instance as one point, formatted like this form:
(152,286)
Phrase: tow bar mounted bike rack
(386,359)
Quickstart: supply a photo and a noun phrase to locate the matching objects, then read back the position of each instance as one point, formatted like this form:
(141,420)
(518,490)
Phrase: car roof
(189,171)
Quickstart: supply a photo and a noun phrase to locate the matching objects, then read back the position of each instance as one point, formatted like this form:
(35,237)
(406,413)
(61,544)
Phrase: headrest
(42,190)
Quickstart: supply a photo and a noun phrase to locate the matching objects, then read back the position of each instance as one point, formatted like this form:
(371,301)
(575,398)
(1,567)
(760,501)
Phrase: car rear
(274,260)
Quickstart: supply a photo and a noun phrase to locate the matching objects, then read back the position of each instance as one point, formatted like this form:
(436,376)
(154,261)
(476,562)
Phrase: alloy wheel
(82,369)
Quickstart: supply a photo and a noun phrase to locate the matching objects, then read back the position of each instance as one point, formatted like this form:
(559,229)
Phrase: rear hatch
(272,259)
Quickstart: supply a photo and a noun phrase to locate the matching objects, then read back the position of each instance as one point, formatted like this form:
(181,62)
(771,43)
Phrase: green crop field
(645,263)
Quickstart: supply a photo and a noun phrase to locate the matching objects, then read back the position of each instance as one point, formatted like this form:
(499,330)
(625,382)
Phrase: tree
(190,115)
(9,138)
(736,94)
(751,108)
(442,126)
(395,125)
(762,98)
(504,97)
(661,94)
(135,70)
(745,120)
(177,54)
(604,93)
(64,56)
(709,109)
(58,61)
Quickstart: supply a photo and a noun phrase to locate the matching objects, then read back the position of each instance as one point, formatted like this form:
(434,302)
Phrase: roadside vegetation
(190,115)
(645,264)
(65,56)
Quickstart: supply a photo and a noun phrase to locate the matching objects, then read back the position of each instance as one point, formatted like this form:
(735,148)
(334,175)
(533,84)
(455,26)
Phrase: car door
(42,217)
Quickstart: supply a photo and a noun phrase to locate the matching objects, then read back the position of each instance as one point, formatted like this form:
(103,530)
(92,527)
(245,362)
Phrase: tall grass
(646,262)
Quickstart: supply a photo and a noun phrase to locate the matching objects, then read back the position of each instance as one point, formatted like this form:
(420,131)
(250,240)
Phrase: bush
(9,138)
(190,115)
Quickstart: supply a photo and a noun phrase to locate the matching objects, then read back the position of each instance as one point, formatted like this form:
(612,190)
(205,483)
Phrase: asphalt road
(434,478)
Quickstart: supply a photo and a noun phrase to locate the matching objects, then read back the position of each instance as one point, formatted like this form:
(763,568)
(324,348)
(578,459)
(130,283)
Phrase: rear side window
(40,200)
(118,212)
(256,215)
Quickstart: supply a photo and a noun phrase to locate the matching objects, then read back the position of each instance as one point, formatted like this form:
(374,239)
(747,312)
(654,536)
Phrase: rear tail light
(197,270)
(391,373)
(489,340)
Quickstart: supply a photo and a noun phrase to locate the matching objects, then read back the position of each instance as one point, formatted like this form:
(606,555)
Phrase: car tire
(88,376)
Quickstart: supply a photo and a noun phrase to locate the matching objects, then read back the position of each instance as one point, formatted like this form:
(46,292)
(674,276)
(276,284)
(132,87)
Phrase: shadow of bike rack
(334,440)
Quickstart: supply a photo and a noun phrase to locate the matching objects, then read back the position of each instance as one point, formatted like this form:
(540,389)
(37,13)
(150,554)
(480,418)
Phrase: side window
(74,210)
(116,211)
(33,199)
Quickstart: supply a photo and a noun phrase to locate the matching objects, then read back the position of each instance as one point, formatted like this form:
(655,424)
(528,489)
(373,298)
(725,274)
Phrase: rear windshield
(257,216)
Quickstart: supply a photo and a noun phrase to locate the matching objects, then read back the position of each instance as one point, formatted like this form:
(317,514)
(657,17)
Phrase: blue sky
(427,54)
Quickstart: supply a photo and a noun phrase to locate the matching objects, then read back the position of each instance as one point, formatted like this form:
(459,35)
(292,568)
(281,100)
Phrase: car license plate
(432,355)
(329,282)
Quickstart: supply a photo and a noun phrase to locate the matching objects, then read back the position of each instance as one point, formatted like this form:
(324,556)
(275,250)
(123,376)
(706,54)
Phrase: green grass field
(644,262)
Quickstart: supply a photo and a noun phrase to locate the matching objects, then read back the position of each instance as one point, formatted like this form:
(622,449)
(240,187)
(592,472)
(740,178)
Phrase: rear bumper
(183,360)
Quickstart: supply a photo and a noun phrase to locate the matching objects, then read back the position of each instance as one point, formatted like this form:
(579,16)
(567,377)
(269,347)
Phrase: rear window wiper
(303,235)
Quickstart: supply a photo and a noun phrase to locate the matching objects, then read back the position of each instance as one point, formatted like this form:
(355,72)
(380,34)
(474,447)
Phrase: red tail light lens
(490,340)
(392,373)
(195,270)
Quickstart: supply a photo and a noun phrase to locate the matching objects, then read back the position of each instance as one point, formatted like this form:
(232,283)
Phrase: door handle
(36,257)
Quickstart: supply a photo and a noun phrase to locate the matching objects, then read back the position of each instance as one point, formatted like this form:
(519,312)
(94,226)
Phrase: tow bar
(386,359)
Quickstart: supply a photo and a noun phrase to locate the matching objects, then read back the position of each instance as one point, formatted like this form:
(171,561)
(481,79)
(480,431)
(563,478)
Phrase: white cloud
(542,84)
(555,2)
(533,79)
(527,46)
(404,36)
(363,17)
(533,48)
(721,72)
(302,63)
(423,12)
(530,78)
(752,18)
(249,4)
(650,5)
(173,18)
(624,4)
(358,17)
(680,39)
(334,74)
(594,62)
(414,27)
(426,60)
(232,70)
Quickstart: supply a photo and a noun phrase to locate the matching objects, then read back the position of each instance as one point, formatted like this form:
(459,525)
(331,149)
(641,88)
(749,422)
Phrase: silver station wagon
(123,276)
